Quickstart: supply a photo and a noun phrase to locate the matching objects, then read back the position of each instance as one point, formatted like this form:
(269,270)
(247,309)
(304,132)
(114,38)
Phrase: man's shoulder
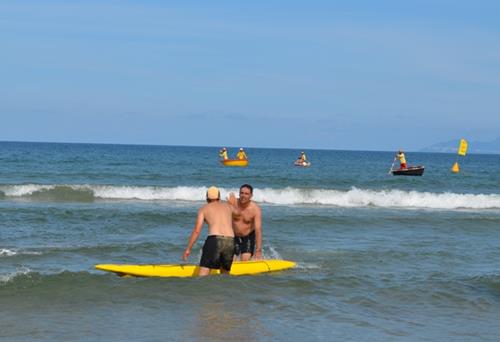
(215,205)
(254,205)
(208,205)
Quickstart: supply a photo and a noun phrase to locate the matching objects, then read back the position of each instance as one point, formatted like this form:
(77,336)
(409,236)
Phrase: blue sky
(361,75)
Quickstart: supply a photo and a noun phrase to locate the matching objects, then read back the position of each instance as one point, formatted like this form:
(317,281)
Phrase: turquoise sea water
(379,257)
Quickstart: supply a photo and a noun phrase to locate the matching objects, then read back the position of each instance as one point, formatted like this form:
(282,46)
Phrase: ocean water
(378,257)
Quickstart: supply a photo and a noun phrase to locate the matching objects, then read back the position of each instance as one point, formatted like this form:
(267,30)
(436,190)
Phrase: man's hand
(185,256)
(231,199)
(257,255)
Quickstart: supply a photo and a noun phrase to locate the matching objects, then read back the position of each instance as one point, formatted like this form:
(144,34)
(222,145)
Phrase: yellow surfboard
(238,268)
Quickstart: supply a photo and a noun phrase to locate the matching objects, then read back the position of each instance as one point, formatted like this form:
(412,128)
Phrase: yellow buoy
(455,168)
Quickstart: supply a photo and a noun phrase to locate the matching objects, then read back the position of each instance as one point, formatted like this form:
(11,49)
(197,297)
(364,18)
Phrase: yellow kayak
(235,162)
(238,268)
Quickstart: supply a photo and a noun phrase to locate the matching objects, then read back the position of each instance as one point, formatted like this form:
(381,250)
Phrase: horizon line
(213,146)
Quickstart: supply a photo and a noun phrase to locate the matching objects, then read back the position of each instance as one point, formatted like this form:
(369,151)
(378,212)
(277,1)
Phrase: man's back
(218,249)
(218,216)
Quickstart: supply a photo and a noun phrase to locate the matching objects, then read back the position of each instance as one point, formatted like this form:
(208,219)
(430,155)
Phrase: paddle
(390,170)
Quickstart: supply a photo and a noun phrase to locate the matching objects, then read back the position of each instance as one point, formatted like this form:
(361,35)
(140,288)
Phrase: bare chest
(246,216)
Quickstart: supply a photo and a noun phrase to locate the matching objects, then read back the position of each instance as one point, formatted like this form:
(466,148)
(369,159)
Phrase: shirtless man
(218,250)
(247,226)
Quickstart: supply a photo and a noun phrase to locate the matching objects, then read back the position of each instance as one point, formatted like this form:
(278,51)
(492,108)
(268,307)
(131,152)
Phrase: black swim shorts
(244,244)
(218,252)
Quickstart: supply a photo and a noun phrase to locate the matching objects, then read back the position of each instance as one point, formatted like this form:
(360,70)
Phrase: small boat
(409,171)
(235,162)
(301,163)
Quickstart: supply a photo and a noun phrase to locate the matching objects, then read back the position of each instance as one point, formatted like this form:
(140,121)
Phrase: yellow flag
(462,149)
(455,168)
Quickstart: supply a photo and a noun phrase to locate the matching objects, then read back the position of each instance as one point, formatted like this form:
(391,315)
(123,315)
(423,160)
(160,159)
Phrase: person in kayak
(241,155)
(402,160)
(223,154)
(218,249)
(247,226)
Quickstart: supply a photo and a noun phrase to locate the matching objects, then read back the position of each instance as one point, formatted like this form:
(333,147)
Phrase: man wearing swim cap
(247,226)
(218,249)
(223,153)
(241,155)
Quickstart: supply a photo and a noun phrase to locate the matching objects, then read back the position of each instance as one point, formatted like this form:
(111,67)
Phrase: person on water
(302,158)
(241,155)
(223,154)
(402,160)
(247,226)
(218,249)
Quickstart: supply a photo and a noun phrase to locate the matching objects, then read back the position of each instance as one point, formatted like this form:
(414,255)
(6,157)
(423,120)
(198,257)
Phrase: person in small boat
(219,247)
(223,154)
(402,160)
(241,155)
(302,159)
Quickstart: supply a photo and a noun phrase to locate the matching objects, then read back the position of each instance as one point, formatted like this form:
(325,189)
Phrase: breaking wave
(285,196)
(7,277)
(7,252)
(4,252)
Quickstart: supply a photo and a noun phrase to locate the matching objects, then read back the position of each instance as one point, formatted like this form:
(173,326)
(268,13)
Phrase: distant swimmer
(223,154)
(402,160)
(247,225)
(241,155)
(218,249)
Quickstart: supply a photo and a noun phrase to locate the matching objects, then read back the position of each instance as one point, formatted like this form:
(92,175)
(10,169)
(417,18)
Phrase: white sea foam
(24,189)
(6,252)
(379,198)
(272,254)
(4,278)
(307,266)
(284,196)
(182,193)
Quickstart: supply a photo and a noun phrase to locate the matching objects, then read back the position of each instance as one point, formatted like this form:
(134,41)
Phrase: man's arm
(194,235)
(233,203)
(258,233)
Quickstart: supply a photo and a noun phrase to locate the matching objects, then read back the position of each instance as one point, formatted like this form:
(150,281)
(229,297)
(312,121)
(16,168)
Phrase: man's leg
(204,271)
(245,256)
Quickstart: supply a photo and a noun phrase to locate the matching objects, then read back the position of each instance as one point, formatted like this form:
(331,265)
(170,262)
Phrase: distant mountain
(490,147)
